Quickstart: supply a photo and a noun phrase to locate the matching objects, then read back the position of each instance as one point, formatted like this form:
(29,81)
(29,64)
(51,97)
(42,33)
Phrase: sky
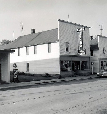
(42,15)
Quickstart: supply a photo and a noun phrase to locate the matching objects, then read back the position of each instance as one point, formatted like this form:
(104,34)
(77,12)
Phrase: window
(49,48)
(84,65)
(103,65)
(67,46)
(27,50)
(18,51)
(91,52)
(65,65)
(35,49)
(27,67)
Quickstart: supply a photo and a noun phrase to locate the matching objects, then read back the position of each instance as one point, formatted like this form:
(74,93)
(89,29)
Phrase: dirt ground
(80,97)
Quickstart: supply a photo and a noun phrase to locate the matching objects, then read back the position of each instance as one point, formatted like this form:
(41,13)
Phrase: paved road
(83,97)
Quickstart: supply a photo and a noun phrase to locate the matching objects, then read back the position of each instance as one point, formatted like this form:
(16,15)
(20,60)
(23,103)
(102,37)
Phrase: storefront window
(103,65)
(84,65)
(65,65)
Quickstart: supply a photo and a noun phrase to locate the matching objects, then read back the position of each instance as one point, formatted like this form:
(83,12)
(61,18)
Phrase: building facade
(63,50)
(74,42)
(37,53)
(99,53)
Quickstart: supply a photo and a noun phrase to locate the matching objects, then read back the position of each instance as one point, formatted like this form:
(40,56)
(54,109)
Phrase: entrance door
(84,65)
(75,65)
(27,67)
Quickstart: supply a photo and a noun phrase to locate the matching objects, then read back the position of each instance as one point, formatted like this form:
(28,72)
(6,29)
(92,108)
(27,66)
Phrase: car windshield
(103,71)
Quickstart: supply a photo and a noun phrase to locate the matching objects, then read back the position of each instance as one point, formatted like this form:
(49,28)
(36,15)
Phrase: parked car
(102,73)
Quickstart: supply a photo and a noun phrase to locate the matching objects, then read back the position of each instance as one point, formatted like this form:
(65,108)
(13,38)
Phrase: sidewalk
(42,82)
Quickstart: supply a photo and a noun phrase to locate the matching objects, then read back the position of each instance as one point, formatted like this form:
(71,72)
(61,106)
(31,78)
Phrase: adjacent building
(98,50)
(5,65)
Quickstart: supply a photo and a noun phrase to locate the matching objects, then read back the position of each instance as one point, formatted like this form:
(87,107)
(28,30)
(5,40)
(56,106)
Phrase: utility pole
(68,17)
(13,34)
(21,24)
(101,29)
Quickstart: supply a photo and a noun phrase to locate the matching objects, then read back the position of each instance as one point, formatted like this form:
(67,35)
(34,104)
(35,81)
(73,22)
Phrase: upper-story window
(27,50)
(18,51)
(67,46)
(35,49)
(49,48)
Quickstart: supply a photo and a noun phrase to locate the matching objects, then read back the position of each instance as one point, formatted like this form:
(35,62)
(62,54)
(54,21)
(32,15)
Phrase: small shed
(5,65)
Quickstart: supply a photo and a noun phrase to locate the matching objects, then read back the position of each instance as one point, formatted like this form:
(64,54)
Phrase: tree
(4,42)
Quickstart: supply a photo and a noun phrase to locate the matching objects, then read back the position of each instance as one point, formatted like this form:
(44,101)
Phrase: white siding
(42,53)
(50,66)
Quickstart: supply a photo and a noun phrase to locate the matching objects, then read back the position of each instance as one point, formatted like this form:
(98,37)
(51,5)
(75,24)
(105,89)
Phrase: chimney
(32,31)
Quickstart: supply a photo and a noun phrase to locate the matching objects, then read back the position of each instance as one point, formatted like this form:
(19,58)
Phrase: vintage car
(102,73)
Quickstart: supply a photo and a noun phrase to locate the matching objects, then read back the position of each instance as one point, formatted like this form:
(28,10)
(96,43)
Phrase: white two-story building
(63,50)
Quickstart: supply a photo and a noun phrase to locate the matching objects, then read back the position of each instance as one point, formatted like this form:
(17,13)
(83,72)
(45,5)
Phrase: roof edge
(72,23)
(6,51)
(102,36)
(37,32)
(35,44)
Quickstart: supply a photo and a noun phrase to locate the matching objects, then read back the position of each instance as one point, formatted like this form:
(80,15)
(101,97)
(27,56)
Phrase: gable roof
(44,37)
